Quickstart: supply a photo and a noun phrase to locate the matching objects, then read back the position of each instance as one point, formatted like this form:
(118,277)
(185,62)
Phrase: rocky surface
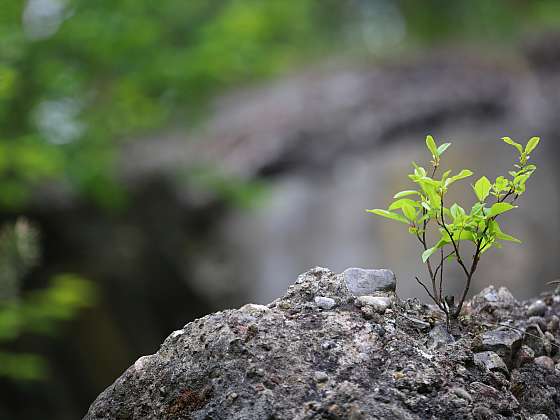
(322,352)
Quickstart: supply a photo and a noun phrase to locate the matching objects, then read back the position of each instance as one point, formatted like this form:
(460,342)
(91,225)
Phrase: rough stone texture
(504,342)
(537,308)
(361,282)
(378,303)
(491,361)
(325,302)
(293,360)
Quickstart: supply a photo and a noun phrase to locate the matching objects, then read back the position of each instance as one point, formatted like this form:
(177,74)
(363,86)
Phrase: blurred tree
(37,312)
(77,77)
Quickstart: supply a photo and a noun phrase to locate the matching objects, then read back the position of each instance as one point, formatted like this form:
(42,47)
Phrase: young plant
(425,206)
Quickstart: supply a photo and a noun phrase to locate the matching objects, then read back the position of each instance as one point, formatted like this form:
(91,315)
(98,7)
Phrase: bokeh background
(163,160)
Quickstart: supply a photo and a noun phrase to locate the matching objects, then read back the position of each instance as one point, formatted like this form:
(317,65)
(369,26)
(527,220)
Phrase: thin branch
(429,294)
(441,274)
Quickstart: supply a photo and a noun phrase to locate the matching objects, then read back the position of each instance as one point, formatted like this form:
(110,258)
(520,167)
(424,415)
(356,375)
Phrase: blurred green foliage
(77,77)
(35,312)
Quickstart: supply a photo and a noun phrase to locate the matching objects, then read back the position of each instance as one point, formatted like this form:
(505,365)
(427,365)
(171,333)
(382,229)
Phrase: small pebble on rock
(361,282)
(378,303)
(439,336)
(367,312)
(321,377)
(462,393)
(538,320)
(504,342)
(537,308)
(534,338)
(524,355)
(553,324)
(325,302)
(545,362)
(490,361)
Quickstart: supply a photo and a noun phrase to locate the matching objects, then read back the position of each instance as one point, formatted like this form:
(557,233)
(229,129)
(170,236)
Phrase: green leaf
(431,144)
(465,173)
(498,234)
(389,215)
(476,210)
(457,211)
(405,193)
(482,188)
(402,202)
(501,184)
(499,208)
(443,148)
(505,237)
(532,144)
(514,144)
(409,211)
(428,253)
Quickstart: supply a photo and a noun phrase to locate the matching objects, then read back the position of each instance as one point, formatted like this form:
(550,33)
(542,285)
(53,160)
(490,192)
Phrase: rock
(360,281)
(490,361)
(378,303)
(549,343)
(491,298)
(418,323)
(254,309)
(289,360)
(462,393)
(439,336)
(325,302)
(524,355)
(503,342)
(553,324)
(482,413)
(321,377)
(538,320)
(538,417)
(534,338)
(545,362)
(368,312)
(537,308)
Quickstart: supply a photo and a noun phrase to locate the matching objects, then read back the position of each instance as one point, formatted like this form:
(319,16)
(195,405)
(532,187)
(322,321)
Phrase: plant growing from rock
(425,206)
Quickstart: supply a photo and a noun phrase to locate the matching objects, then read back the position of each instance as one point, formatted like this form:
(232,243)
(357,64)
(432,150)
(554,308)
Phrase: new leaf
(389,215)
(482,188)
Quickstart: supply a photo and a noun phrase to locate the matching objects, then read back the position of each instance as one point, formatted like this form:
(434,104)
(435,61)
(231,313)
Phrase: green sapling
(425,206)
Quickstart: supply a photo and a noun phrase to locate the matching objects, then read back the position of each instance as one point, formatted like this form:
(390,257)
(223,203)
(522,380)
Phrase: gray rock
(534,338)
(490,297)
(504,342)
(462,393)
(524,355)
(490,361)
(417,323)
(545,362)
(538,320)
(360,281)
(378,303)
(291,361)
(553,324)
(537,308)
(325,302)
(368,312)
(321,377)
(439,336)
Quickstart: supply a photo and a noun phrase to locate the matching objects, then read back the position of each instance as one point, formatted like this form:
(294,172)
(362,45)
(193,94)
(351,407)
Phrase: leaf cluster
(425,205)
